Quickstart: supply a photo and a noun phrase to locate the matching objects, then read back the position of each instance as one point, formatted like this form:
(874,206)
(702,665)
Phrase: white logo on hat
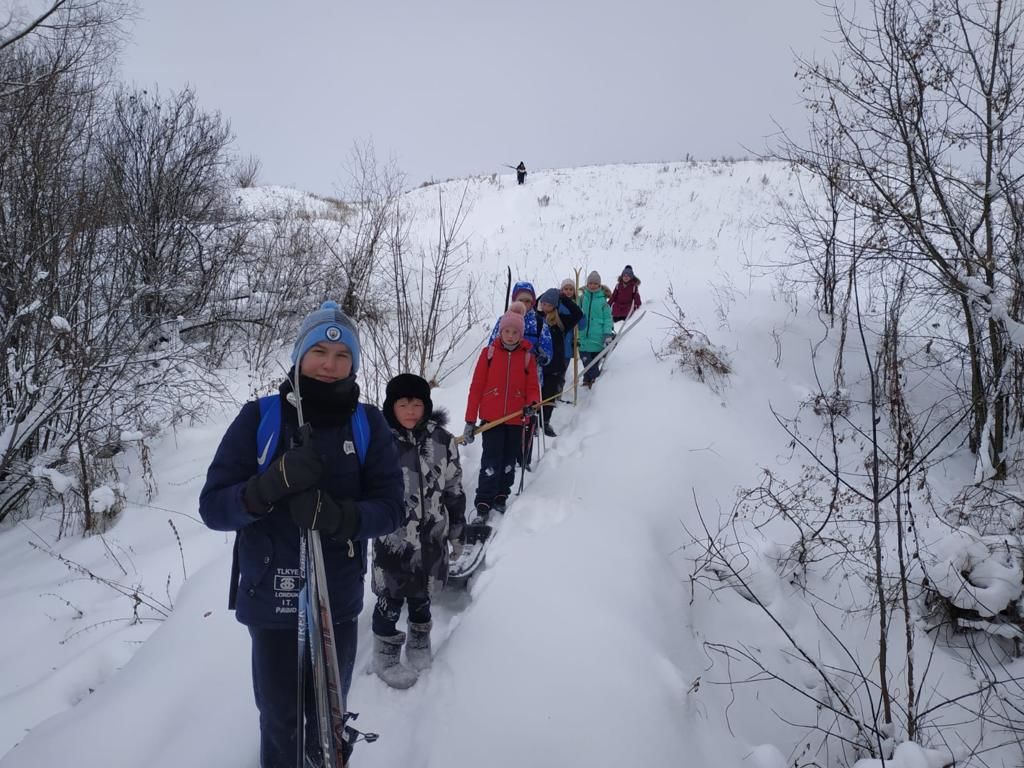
(333,333)
(348,447)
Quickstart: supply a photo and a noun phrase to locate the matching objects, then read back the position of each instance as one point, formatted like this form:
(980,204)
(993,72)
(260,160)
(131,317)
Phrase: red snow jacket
(624,297)
(503,382)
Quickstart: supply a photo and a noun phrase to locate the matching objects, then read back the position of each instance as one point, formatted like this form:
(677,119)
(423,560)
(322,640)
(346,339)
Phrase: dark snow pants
(552,386)
(389,609)
(502,449)
(593,373)
(275,684)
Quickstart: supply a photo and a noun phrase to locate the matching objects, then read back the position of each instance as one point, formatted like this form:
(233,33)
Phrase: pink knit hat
(512,319)
(518,307)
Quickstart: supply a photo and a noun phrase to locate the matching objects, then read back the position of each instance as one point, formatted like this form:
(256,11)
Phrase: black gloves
(317,511)
(530,411)
(467,433)
(297,470)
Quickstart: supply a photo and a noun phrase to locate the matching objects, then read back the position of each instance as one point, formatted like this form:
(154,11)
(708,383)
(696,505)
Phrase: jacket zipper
(508,379)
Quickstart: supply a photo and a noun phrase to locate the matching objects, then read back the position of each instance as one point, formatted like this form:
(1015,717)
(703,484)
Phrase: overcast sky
(456,87)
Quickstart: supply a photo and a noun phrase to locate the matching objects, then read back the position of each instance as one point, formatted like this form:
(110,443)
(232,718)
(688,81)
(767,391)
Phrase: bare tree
(433,307)
(167,163)
(373,195)
(246,171)
(112,240)
(279,282)
(917,134)
(48,192)
(85,35)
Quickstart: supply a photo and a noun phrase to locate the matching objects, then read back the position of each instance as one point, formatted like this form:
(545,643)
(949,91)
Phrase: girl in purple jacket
(626,296)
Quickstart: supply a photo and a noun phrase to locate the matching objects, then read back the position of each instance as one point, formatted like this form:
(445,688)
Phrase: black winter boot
(483,511)
(500,503)
(387,661)
(417,650)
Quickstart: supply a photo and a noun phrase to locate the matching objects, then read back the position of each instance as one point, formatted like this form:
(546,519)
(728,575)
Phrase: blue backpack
(269,431)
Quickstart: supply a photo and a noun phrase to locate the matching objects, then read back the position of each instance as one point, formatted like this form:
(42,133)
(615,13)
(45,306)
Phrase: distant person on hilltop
(521,172)
(626,296)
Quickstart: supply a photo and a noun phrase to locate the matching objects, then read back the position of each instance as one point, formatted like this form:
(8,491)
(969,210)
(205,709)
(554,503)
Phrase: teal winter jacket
(597,320)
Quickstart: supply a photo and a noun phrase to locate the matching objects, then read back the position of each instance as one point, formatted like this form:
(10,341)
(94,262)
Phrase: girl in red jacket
(504,381)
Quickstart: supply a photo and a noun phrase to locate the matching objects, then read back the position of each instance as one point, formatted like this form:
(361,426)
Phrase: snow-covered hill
(583,641)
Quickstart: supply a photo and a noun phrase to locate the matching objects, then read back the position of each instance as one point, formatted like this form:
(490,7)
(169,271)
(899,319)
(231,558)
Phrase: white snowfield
(582,642)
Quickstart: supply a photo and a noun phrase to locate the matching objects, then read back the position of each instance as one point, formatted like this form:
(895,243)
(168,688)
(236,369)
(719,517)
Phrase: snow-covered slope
(582,642)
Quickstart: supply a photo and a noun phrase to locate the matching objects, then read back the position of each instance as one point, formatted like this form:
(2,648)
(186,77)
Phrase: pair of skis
(317,628)
(626,324)
(316,632)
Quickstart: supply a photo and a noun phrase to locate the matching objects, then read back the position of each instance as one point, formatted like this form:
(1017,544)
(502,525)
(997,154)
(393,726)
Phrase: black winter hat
(407,385)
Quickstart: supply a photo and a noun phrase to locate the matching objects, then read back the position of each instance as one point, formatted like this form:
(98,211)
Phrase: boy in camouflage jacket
(409,564)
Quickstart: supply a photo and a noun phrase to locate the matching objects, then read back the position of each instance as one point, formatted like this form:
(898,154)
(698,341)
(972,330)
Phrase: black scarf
(325,404)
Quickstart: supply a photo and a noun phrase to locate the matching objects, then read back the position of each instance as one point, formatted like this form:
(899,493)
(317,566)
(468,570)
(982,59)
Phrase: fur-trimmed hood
(437,419)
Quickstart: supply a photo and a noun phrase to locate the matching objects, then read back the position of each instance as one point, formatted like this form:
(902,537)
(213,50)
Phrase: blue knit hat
(550,296)
(328,323)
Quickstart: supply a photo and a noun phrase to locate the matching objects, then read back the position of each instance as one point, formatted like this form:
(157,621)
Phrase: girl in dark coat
(626,296)
(560,317)
(313,479)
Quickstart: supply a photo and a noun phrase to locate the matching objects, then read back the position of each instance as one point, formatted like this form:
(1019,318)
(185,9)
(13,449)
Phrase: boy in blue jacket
(313,478)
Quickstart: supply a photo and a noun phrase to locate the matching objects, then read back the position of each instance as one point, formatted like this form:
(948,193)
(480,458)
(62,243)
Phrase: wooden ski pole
(576,346)
(507,417)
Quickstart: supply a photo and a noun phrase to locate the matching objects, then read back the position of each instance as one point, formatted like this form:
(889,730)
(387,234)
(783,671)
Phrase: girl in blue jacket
(312,478)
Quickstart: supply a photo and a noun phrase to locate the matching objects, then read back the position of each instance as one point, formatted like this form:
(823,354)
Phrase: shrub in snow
(910,755)
(60,482)
(103,499)
(977,581)
(246,171)
(694,353)
(60,324)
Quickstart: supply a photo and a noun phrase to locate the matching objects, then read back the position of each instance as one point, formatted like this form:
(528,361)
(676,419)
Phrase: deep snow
(582,642)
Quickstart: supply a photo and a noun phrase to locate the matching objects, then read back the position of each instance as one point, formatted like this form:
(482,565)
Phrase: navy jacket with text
(267,548)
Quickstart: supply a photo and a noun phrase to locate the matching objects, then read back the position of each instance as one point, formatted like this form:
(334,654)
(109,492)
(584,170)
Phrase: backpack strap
(490,355)
(361,432)
(268,433)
